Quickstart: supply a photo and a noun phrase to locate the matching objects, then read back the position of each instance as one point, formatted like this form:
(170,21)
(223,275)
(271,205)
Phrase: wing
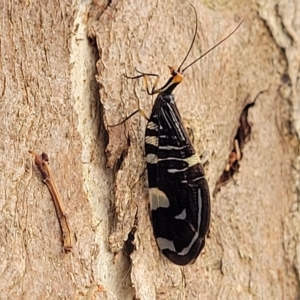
(179,195)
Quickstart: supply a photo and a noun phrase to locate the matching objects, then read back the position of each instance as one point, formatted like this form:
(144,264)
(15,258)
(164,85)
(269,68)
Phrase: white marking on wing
(172,147)
(165,244)
(192,160)
(151,158)
(177,170)
(158,199)
(186,250)
(198,178)
(181,216)
(151,125)
(152,140)
(171,158)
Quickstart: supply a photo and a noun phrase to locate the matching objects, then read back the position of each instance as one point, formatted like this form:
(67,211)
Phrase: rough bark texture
(50,53)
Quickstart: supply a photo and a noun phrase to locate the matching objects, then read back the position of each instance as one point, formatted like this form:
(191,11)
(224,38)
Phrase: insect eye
(174,73)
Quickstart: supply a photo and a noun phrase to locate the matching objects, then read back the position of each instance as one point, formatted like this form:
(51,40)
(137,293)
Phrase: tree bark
(62,84)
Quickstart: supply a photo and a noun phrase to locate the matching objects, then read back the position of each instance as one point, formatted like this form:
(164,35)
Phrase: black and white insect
(178,190)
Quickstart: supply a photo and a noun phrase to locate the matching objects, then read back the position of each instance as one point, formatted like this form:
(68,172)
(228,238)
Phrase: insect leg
(139,110)
(152,92)
(131,115)
(102,8)
(145,78)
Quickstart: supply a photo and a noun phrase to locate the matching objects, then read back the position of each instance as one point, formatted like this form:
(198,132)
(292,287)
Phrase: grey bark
(58,93)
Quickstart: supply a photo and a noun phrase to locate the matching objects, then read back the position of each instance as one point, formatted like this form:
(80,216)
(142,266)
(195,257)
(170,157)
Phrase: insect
(178,190)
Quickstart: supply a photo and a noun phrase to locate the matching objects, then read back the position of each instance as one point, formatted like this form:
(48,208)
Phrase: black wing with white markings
(179,195)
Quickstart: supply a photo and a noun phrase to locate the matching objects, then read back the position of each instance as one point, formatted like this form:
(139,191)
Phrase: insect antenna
(215,46)
(193,40)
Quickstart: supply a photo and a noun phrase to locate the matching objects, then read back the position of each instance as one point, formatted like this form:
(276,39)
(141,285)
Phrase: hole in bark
(241,138)
(129,246)
(119,161)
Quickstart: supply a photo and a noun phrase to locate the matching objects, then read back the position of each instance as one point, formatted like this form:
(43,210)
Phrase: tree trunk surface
(62,85)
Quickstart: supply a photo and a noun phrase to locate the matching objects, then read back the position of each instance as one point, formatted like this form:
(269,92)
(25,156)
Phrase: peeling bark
(50,102)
